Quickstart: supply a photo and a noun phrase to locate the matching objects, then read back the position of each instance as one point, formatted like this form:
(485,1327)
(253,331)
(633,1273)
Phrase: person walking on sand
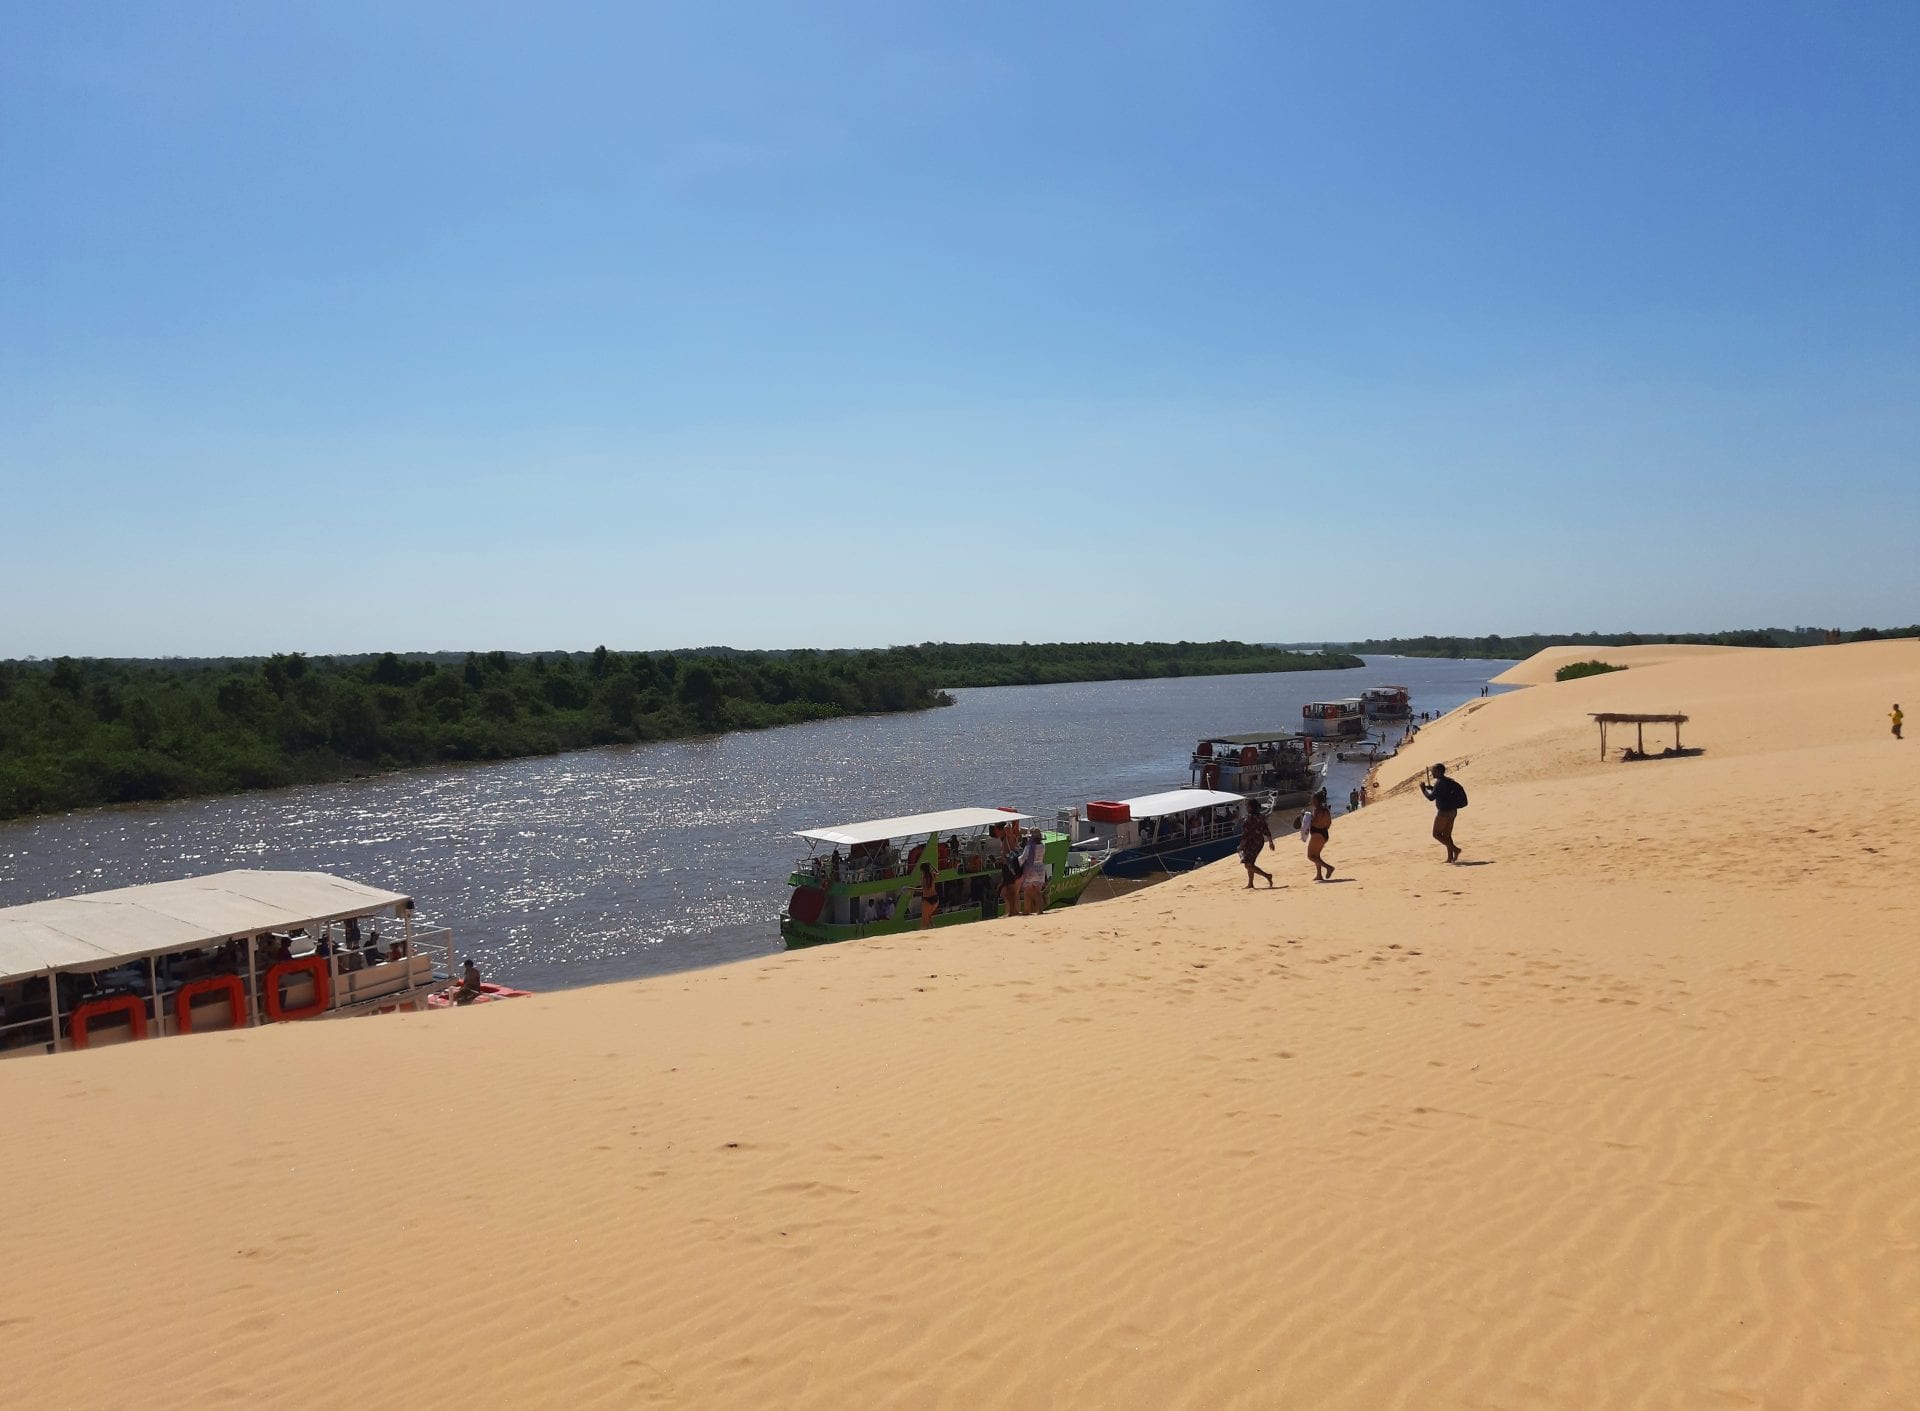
(1898,720)
(1253,832)
(1319,828)
(1448,799)
(929,895)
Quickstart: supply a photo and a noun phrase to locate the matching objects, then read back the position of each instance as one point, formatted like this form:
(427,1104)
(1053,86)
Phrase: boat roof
(880,830)
(1377,690)
(1263,737)
(1179,801)
(1343,700)
(96,930)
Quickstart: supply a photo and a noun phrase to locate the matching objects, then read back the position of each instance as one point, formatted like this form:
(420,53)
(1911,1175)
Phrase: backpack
(1456,796)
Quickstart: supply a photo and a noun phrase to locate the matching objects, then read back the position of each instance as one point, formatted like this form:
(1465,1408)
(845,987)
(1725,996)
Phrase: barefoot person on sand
(1319,827)
(1898,720)
(1253,832)
(1448,799)
(929,895)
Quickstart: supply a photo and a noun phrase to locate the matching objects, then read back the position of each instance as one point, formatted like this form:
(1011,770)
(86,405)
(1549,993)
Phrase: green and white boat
(869,883)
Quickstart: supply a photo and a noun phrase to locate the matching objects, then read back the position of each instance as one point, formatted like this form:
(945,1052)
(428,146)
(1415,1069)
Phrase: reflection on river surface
(607,864)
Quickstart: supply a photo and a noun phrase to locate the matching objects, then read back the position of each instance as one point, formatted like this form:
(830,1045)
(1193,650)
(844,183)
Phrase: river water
(608,864)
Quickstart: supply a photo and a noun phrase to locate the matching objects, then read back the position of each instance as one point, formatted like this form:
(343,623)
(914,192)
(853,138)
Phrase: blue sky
(346,326)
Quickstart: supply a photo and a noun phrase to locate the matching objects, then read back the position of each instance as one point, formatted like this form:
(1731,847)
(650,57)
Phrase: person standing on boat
(1253,832)
(1448,799)
(929,895)
(1319,828)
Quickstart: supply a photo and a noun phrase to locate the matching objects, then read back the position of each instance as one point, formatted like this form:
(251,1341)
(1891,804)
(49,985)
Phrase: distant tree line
(75,733)
(1494,647)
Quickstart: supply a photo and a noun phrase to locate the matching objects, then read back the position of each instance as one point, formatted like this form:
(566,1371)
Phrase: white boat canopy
(882,830)
(1179,801)
(99,929)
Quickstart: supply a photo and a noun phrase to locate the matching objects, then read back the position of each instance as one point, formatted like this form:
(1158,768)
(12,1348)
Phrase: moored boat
(1174,831)
(1387,703)
(1275,766)
(873,887)
(227,951)
(1333,720)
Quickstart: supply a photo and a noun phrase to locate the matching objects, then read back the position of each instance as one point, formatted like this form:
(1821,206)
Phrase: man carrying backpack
(1448,799)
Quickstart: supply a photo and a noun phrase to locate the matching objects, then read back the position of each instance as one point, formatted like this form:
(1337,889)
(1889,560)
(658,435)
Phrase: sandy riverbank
(1626,1116)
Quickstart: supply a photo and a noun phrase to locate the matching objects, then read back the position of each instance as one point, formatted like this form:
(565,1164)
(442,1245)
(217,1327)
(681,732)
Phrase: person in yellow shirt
(1897,718)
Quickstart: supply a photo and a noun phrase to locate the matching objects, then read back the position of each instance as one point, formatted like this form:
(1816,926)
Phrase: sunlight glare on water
(607,864)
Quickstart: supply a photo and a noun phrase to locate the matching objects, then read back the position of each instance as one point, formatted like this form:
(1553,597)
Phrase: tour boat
(1333,720)
(1161,833)
(227,951)
(872,888)
(1275,766)
(1387,703)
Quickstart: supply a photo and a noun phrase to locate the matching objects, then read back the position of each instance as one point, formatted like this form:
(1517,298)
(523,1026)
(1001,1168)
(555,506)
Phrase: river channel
(609,864)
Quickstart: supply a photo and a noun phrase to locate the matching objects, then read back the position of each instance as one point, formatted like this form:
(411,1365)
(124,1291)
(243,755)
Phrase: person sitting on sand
(1319,828)
(1253,832)
(929,895)
(468,989)
(1448,799)
(1898,720)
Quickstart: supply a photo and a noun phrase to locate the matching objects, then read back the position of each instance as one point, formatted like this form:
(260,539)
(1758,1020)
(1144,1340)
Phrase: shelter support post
(153,997)
(53,1004)
(254,1002)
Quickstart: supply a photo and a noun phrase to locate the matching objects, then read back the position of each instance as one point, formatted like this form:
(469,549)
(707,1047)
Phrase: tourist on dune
(1898,720)
(1253,832)
(1448,799)
(1319,829)
(929,895)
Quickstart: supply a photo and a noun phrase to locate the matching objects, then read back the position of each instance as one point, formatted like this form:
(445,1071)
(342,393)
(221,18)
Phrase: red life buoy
(314,965)
(184,997)
(1249,754)
(130,1005)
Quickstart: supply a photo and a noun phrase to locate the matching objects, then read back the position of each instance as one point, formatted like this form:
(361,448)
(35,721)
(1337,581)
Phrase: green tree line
(1494,647)
(75,733)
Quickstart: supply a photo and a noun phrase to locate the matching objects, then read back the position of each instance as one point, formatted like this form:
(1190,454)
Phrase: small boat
(1333,720)
(198,954)
(1368,751)
(873,888)
(1176,831)
(488,993)
(1275,766)
(1387,703)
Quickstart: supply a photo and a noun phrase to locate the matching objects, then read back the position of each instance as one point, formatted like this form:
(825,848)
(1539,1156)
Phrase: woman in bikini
(929,895)
(1253,832)
(1318,828)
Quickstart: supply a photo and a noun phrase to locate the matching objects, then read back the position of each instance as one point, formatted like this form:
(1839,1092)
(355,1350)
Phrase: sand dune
(1626,1116)
(1538,669)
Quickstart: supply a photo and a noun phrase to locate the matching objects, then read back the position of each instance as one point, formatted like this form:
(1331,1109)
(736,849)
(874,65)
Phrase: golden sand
(1626,1116)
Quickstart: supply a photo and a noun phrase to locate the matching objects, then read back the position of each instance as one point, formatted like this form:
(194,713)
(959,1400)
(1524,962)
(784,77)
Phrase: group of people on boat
(1020,871)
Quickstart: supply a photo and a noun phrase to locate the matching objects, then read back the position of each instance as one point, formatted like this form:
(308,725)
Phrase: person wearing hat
(1448,799)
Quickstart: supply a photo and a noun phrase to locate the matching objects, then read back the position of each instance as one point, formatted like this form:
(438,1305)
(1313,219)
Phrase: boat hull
(1131,864)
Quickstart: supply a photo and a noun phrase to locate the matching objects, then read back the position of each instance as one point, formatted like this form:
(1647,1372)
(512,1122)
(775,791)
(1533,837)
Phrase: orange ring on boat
(316,965)
(184,997)
(1249,754)
(132,1006)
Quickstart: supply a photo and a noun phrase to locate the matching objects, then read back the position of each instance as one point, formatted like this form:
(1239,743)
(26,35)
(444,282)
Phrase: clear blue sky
(348,326)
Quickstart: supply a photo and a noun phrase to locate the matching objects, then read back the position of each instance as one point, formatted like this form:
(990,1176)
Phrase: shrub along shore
(76,733)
